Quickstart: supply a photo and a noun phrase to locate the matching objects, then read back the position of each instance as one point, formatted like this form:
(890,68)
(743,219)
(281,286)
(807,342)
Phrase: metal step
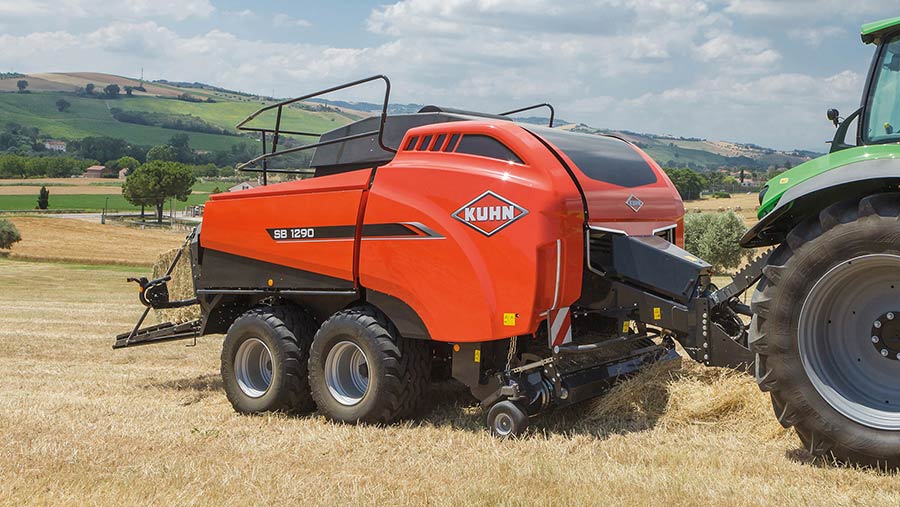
(159,333)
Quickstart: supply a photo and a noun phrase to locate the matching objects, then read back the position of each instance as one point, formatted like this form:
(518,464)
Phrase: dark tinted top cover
(601,158)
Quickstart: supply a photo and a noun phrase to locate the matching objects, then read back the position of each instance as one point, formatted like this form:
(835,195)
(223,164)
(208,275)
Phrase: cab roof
(872,32)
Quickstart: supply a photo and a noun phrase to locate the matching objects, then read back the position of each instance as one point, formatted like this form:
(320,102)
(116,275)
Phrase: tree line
(691,183)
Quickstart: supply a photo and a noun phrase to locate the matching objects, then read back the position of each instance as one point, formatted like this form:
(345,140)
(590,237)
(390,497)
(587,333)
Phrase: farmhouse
(247,185)
(55,145)
(94,171)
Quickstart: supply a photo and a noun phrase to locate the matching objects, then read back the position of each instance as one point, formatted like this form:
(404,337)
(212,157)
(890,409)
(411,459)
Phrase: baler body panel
(273,223)
(612,173)
(478,280)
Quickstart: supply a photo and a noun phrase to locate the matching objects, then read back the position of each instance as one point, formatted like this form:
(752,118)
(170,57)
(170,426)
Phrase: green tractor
(826,311)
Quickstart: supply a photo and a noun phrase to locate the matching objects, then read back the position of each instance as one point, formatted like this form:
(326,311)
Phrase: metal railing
(529,108)
(277,132)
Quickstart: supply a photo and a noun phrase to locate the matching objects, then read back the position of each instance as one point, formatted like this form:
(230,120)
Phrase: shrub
(721,195)
(714,238)
(43,201)
(8,234)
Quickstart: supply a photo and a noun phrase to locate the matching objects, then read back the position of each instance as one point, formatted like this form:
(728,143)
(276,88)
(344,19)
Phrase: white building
(54,145)
(247,185)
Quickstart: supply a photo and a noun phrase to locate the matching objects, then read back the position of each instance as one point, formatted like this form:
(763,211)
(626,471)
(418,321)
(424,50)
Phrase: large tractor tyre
(362,370)
(264,361)
(826,331)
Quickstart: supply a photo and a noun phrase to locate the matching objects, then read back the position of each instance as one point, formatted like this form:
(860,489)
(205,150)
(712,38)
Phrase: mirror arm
(838,143)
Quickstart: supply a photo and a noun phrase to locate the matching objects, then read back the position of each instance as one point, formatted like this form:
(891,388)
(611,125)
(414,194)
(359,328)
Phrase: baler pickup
(159,333)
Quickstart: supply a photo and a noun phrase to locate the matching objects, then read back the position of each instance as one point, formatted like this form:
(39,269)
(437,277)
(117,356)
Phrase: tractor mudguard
(815,193)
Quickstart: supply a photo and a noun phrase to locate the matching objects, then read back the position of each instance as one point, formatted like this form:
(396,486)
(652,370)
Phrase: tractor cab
(878,117)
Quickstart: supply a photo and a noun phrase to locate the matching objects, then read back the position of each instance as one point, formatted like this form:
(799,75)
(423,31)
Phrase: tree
(22,84)
(43,198)
(102,148)
(181,144)
(163,152)
(89,88)
(125,162)
(688,183)
(112,91)
(62,105)
(155,182)
(714,238)
(8,234)
(129,90)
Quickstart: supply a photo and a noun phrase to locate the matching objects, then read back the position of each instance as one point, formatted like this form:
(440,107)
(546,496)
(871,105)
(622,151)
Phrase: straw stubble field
(82,424)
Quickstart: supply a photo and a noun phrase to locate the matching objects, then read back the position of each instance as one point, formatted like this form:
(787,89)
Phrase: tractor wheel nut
(877,324)
(884,352)
(890,316)
(874,339)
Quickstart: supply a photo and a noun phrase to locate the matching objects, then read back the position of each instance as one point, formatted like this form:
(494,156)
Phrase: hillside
(164,107)
(95,115)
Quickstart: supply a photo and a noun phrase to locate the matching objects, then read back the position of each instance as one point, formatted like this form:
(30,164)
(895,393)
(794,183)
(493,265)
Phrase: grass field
(85,425)
(87,202)
(79,241)
(746,202)
(91,117)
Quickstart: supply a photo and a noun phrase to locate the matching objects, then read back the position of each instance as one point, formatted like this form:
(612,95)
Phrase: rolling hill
(217,110)
(94,115)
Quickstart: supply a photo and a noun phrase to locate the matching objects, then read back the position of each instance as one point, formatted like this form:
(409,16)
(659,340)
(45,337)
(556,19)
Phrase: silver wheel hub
(841,319)
(503,424)
(253,367)
(347,373)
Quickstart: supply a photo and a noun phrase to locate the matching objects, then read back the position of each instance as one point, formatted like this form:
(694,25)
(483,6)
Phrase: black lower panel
(220,270)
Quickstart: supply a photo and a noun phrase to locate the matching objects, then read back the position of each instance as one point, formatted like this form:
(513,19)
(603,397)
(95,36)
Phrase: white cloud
(793,10)
(735,53)
(706,68)
(178,10)
(814,36)
(283,21)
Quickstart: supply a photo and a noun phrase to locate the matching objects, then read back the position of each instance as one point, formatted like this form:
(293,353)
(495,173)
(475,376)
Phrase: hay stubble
(82,424)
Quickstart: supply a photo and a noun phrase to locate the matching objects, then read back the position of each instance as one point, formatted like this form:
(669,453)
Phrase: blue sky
(755,71)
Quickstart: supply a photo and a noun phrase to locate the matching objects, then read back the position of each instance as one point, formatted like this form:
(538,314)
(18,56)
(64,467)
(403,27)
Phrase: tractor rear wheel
(264,361)
(362,370)
(826,331)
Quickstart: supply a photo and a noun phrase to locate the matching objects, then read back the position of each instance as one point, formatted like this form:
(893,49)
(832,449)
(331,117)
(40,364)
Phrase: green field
(87,202)
(91,117)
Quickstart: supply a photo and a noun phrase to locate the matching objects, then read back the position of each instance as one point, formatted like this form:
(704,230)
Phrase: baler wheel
(506,419)
(264,361)
(823,334)
(362,370)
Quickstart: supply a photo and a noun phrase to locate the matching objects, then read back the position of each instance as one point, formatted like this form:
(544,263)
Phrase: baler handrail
(536,106)
(277,131)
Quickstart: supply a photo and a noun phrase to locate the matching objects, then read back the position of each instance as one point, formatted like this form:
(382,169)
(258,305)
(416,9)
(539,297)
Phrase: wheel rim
(253,367)
(347,373)
(503,424)
(835,339)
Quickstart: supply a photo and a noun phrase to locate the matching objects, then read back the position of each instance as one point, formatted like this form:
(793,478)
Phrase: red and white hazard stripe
(560,324)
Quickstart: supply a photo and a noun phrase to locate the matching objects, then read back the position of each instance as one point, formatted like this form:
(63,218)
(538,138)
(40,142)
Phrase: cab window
(883,115)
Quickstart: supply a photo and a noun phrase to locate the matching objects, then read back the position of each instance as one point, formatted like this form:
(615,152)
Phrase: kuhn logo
(488,213)
(634,203)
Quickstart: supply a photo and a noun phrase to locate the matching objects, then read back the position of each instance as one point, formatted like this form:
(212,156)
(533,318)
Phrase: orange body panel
(236,222)
(607,209)
(462,286)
